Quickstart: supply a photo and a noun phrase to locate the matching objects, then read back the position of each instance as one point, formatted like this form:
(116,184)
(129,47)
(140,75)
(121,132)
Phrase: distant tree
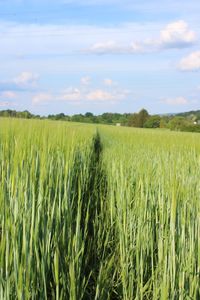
(88,115)
(139,119)
(107,118)
(182,122)
(36,117)
(143,116)
(164,122)
(177,123)
(133,120)
(25,114)
(77,118)
(153,122)
(191,128)
(60,116)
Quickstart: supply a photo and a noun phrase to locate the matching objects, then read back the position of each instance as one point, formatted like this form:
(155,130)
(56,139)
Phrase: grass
(107,214)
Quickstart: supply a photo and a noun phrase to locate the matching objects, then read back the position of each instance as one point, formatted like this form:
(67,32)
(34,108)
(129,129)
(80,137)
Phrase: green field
(98,212)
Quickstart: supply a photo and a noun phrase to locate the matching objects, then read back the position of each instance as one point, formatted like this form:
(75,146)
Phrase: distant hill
(195,113)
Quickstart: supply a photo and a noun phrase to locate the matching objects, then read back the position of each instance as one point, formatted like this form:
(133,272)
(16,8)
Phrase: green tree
(143,116)
(89,115)
(164,122)
(153,122)
(133,120)
(139,119)
(177,123)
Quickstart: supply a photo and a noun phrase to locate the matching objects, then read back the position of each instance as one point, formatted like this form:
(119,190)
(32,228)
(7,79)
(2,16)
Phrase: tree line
(180,122)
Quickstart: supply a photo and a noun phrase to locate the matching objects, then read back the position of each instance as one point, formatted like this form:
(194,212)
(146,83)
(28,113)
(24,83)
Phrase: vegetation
(193,113)
(181,122)
(139,119)
(153,122)
(105,118)
(107,214)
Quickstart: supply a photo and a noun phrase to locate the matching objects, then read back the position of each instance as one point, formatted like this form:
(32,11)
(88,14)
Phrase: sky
(78,56)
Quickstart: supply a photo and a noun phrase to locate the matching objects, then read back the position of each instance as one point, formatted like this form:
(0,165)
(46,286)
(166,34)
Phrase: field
(98,212)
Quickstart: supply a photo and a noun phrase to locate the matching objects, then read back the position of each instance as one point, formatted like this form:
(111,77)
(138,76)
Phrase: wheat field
(98,212)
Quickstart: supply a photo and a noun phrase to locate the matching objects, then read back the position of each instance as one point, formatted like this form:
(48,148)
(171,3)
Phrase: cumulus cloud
(26,79)
(22,82)
(100,96)
(8,95)
(4,104)
(175,101)
(190,62)
(85,80)
(126,38)
(42,98)
(177,35)
(111,93)
(139,47)
(76,95)
(112,47)
(71,95)
(109,82)
(107,47)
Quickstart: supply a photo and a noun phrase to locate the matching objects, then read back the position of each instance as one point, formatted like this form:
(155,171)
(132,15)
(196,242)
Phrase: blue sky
(75,56)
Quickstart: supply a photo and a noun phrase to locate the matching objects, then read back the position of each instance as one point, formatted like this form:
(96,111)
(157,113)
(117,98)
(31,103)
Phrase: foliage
(177,123)
(139,119)
(164,121)
(142,119)
(194,113)
(15,114)
(153,122)
(191,128)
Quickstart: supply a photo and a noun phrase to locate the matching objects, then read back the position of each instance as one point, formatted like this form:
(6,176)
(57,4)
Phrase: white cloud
(112,47)
(85,80)
(111,96)
(42,98)
(177,35)
(100,96)
(175,101)
(138,47)
(109,82)
(106,47)
(76,95)
(84,94)
(8,95)
(23,82)
(135,47)
(26,79)
(53,40)
(71,95)
(191,62)
(4,104)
